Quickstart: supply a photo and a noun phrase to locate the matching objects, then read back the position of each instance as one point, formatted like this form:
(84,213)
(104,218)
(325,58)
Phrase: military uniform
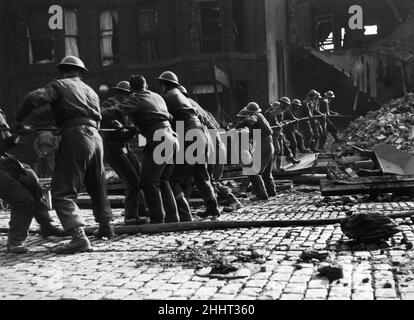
(315,125)
(19,187)
(182,111)
(123,161)
(76,111)
(324,108)
(263,183)
(294,137)
(149,113)
(305,127)
(279,140)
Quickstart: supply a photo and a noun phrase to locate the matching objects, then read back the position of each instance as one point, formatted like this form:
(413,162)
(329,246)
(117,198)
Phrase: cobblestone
(132,268)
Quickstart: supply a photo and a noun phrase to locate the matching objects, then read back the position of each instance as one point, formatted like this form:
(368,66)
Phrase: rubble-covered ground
(392,124)
(259,263)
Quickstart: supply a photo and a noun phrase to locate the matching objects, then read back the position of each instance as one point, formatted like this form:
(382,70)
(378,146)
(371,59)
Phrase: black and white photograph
(211,157)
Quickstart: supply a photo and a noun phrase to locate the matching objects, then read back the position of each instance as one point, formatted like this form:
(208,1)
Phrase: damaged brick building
(226,52)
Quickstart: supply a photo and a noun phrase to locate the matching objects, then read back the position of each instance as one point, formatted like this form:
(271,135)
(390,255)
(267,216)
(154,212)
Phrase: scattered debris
(392,124)
(223,273)
(369,228)
(332,271)
(312,254)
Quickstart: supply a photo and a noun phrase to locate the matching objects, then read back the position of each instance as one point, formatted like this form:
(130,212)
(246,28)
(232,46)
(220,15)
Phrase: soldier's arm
(36,99)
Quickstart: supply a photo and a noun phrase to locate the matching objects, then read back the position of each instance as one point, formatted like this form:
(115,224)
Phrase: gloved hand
(117,125)
(13,141)
(21,128)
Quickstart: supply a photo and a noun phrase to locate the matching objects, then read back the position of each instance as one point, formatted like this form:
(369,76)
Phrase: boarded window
(40,38)
(109,37)
(147,34)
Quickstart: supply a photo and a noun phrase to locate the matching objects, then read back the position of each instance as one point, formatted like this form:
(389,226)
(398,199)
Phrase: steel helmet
(296,102)
(253,107)
(183,90)
(243,114)
(318,95)
(275,104)
(330,95)
(123,86)
(170,77)
(74,62)
(313,94)
(285,100)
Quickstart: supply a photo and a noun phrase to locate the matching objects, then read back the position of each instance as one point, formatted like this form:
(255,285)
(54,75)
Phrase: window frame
(148,35)
(29,38)
(116,57)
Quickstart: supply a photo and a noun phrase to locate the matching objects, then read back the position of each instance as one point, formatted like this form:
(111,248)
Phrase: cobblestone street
(145,266)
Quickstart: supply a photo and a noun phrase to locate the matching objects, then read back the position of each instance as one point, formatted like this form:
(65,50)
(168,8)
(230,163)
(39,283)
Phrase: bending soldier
(148,111)
(119,156)
(263,183)
(76,111)
(185,114)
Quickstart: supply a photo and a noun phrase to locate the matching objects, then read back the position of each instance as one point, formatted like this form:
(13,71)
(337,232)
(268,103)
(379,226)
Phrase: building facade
(225,52)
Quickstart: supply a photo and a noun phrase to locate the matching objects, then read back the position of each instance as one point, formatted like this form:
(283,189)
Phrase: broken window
(205,26)
(109,37)
(71,33)
(325,32)
(40,38)
(147,34)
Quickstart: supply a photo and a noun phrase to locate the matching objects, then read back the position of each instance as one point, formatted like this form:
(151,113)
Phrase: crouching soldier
(263,183)
(19,188)
(76,111)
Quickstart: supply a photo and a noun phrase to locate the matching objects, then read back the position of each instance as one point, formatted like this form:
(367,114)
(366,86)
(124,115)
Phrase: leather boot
(292,160)
(49,230)
(106,230)
(259,189)
(79,243)
(17,249)
(271,188)
(279,164)
(305,151)
(212,210)
(136,221)
(184,211)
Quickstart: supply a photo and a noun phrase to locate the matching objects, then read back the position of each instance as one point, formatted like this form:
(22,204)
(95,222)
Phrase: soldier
(185,114)
(76,111)
(312,104)
(325,109)
(216,150)
(297,105)
(274,117)
(19,187)
(263,183)
(290,130)
(121,158)
(148,111)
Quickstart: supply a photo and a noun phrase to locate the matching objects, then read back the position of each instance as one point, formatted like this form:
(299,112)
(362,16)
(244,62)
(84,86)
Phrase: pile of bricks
(392,124)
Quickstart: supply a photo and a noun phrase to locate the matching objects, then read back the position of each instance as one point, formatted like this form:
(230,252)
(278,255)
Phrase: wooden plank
(375,180)
(331,189)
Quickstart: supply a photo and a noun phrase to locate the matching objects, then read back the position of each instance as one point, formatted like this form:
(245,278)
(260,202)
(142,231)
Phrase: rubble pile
(392,124)
(369,228)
